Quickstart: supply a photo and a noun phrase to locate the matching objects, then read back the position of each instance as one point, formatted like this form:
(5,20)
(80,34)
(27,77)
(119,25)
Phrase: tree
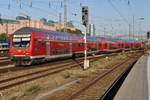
(77,31)
(4,37)
(47,22)
(23,18)
(70,24)
(50,22)
(44,20)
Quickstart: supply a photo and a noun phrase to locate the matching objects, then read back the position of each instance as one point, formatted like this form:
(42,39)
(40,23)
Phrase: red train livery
(32,45)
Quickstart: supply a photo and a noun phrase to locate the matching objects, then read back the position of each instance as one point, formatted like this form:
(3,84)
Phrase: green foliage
(4,37)
(77,31)
(47,22)
(32,90)
(44,20)
(14,98)
(23,18)
(70,24)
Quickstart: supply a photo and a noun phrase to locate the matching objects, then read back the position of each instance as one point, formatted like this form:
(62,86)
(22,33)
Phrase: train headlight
(27,53)
(12,53)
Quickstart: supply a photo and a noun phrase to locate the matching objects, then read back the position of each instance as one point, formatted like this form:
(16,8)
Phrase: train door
(47,45)
(47,48)
(70,44)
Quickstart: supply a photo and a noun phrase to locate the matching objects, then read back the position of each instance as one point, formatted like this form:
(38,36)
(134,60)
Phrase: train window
(105,44)
(25,42)
(19,42)
(100,45)
(16,39)
(81,44)
(35,43)
(43,43)
(16,42)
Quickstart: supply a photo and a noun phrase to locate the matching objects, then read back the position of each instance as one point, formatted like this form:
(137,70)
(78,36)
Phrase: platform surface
(137,84)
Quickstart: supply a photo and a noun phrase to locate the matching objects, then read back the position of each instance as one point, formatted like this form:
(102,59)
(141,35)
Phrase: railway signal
(148,35)
(148,41)
(85,23)
(85,16)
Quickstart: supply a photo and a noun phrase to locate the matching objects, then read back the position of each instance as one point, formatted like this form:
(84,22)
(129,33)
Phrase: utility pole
(7,27)
(133,28)
(1,21)
(94,29)
(65,15)
(129,31)
(29,22)
(90,30)
(104,30)
(112,29)
(139,29)
(60,22)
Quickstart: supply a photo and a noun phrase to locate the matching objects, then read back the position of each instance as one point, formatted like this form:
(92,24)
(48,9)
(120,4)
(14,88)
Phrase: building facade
(10,26)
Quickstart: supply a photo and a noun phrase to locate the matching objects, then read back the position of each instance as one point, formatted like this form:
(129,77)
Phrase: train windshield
(21,41)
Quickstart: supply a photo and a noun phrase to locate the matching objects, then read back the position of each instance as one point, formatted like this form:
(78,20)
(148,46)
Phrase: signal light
(85,15)
(148,35)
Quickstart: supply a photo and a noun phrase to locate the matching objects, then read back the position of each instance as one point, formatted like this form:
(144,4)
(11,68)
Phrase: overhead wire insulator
(49,4)
(128,2)
(80,4)
(20,4)
(61,5)
(9,5)
(31,4)
(17,1)
(1,22)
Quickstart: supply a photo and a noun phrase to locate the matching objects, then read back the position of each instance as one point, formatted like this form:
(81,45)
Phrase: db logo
(19,50)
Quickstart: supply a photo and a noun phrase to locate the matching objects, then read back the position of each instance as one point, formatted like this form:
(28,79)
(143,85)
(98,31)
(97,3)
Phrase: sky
(111,17)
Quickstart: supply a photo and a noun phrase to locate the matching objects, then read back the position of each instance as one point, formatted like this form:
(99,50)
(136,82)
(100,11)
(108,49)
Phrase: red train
(32,45)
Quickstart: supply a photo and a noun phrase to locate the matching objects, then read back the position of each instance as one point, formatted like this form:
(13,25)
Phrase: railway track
(52,69)
(12,67)
(10,82)
(5,62)
(81,93)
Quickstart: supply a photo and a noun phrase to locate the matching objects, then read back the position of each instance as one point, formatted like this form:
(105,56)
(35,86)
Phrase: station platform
(137,84)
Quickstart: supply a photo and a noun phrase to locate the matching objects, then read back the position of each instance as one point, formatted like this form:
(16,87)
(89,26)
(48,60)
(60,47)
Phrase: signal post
(85,23)
(148,42)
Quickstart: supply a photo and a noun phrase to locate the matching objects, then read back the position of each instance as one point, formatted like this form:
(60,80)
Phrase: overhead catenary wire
(120,14)
(45,11)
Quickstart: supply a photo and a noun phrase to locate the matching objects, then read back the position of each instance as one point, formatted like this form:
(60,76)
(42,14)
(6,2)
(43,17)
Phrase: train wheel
(27,63)
(74,56)
(17,64)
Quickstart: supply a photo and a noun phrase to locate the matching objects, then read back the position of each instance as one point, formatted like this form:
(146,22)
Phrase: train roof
(28,30)
(55,35)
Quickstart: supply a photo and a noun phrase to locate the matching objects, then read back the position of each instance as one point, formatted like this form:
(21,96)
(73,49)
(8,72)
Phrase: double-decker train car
(32,45)
(92,44)
(103,45)
(4,49)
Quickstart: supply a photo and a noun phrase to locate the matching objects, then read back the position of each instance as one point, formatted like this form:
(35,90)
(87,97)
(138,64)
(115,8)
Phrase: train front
(20,48)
